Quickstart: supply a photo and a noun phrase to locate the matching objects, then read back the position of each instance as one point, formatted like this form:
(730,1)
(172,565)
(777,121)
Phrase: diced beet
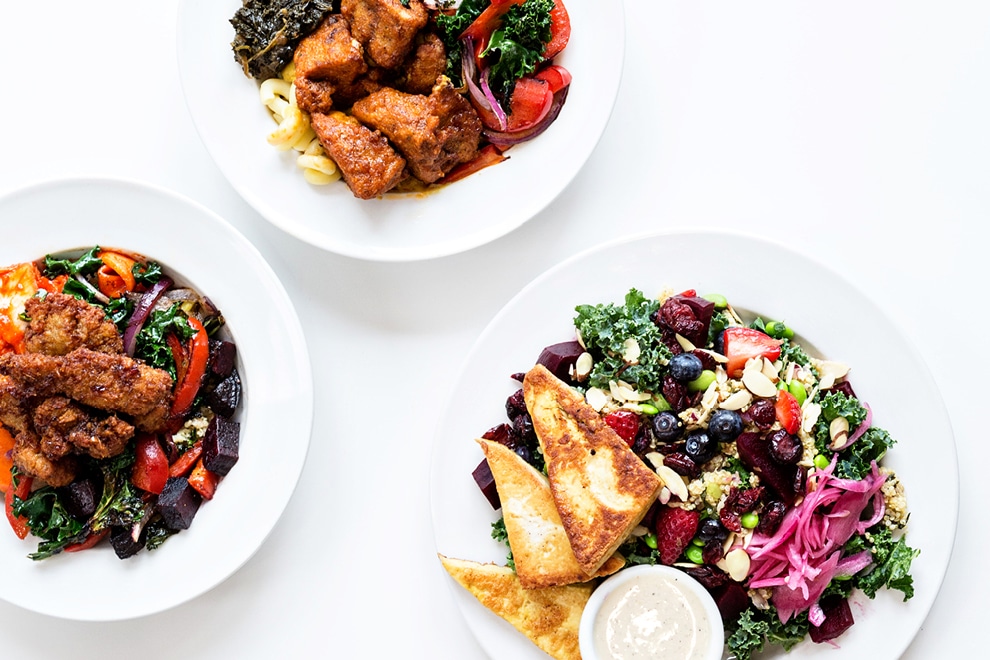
(220,446)
(703,309)
(842,386)
(731,599)
(80,498)
(178,503)
(754,452)
(559,358)
(123,542)
(225,397)
(223,355)
(838,619)
(486,482)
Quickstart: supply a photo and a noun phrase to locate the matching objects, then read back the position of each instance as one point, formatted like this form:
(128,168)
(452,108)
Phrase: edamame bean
(821,462)
(698,542)
(701,383)
(718,299)
(648,409)
(694,554)
(651,540)
(798,391)
(749,520)
(659,403)
(779,330)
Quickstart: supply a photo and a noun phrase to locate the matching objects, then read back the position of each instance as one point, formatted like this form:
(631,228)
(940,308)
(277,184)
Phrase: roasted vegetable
(268,31)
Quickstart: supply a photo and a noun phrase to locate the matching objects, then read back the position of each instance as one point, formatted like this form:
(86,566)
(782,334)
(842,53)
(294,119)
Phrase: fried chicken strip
(62,425)
(60,324)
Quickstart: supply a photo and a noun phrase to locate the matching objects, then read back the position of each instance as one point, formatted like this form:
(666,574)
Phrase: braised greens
(267,32)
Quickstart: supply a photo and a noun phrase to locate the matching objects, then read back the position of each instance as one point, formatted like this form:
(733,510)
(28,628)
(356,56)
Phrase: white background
(855,132)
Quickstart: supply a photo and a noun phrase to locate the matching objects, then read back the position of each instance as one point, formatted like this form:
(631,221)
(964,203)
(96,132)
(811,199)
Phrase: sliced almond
(664,496)
(737,401)
(674,482)
(583,365)
(809,416)
(655,458)
(631,351)
(580,339)
(597,398)
(736,564)
(624,392)
(758,384)
(684,342)
(718,357)
(770,370)
(830,372)
(838,431)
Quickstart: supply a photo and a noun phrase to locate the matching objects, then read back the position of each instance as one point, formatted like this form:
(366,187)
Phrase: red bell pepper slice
(184,463)
(487,22)
(488,156)
(204,481)
(88,542)
(6,462)
(560,30)
(21,490)
(188,386)
(150,470)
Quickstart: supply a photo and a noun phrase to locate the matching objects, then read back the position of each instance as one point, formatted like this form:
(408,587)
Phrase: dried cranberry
(518,376)
(522,426)
(712,551)
(645,441)
(800,479)
(736,504)
(515,405)
(676,394)
(680,318)
(708,577)
(771,517)
(669,339)
(762,413)
(682,464)
(707,361)
(784,447)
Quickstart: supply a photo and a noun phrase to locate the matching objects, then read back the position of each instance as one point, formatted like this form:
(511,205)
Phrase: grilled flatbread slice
(540,549)
(600,487)
(548,617)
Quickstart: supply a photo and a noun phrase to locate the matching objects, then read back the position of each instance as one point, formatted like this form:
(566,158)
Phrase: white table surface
(856,132)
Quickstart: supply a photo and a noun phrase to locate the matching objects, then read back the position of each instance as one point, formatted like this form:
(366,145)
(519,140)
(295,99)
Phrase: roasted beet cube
(223,355)
(220,445)
(178,503)
(731,599)
(80,498)
(754,452)
(838,619)
(225,397)
(486,482)
(559,358)
(122,540)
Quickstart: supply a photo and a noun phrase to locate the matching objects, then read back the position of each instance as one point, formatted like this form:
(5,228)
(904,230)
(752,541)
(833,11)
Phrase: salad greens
(754,628)
(517,47)
(151,346)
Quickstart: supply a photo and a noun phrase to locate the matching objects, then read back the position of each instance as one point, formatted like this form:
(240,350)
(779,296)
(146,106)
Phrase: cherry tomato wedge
(150,471)
(741,344)
(487,22)
(488,156)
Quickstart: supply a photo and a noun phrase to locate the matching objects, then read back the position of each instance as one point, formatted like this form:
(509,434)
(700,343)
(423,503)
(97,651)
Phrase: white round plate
(887,371)
(233,123)
(206,253)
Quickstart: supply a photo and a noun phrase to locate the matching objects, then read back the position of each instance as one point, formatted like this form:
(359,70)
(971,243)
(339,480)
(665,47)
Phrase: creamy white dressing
(652,616)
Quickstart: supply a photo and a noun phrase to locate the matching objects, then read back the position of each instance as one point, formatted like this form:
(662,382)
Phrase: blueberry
(667,427)
(712,528)
(700,446)
(684,367)
(725,425)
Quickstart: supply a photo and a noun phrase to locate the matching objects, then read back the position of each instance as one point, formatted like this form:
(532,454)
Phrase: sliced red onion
(493,102)
(508,139)
(816,616)
(141,311)
(469,71)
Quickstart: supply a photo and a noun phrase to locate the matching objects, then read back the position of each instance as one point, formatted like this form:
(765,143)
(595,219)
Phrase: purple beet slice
(220,446)
(754,452)
(223,355)
(178,503)
(731,599)
(838,619)
(559,358)
(703,310)
(486,482)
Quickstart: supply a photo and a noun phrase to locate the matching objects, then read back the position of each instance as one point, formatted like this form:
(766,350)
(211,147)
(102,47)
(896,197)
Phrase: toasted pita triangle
(549,617)
(540,549)
(601,489)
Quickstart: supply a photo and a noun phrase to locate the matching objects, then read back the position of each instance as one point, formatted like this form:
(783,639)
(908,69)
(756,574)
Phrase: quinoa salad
(775,495)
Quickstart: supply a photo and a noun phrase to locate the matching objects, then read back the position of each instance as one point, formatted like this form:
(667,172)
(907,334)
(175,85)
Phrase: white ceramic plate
(887,371)
(208,254)
(233,124)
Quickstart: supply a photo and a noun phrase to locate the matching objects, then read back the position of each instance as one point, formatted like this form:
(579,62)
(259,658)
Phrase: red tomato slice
(556,76)
(560,30)
(741,344)
(531,101)
(150,471)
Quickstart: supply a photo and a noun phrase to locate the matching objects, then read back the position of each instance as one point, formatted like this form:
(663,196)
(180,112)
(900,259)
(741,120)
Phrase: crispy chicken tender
(424,65)
(385,28)
(367,162)
(434,132)
(113,383)
(13,411)
(62,425)
(60,324)
(327,60)
(29,459)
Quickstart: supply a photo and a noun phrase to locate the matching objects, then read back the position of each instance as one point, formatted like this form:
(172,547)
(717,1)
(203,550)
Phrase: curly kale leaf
(49,521)
(604,328)
(719,322)
(855,461)
(837,404)
(501,535)
(754,628)
(151,346)
(636,551)
(85,265)
(792,352)
(517,47)
(451,26)
(147,274)
(892,564)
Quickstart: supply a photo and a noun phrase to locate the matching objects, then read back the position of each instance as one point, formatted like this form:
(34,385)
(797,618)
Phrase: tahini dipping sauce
(652,615)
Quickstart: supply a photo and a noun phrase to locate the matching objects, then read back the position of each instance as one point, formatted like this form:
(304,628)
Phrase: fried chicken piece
(327,60)
(29,459)
(113,383)
(370,166)
(386,28)
(60,324)
(424,65)
(434,132)
(62,425)
(13,409)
